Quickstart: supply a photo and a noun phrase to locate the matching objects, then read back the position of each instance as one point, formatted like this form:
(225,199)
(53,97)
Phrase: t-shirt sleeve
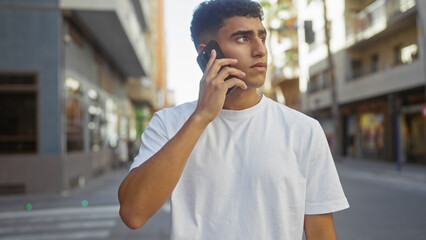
(153,139)
(324,192)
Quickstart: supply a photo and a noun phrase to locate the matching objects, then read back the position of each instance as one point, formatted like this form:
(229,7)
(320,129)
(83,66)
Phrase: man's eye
(242,39)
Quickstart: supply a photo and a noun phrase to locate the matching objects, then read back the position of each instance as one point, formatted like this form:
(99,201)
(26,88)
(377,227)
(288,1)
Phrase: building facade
(378,51)
(76,78)
(282,82)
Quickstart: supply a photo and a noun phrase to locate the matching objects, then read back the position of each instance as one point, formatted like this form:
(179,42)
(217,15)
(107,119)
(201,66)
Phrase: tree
(335,111)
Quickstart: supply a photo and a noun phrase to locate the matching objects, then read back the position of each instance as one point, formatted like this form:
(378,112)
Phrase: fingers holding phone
(212,53)
(219,77)
(218,72)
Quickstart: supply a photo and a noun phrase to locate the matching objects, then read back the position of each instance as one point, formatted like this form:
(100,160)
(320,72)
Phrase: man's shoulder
(290,115)
(180,111)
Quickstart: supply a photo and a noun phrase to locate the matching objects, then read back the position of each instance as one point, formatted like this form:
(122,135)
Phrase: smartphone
(204,57)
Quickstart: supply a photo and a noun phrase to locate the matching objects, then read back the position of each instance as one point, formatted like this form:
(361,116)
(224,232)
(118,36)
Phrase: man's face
(244,38)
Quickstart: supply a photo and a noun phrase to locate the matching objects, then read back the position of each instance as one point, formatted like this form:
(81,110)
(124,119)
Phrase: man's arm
(147,187)
(320,227)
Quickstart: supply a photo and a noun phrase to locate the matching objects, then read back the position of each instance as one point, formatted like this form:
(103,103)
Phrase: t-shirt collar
(235,114)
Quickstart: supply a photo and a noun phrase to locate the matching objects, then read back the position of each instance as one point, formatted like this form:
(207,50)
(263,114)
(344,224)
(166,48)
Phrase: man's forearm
(320,227)
(148,186)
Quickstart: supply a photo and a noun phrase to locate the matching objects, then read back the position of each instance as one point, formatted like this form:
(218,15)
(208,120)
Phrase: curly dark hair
(209,16)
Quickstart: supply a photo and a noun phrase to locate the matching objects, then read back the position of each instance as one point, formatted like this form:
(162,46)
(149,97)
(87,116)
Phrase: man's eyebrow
(262,32)
(248,32)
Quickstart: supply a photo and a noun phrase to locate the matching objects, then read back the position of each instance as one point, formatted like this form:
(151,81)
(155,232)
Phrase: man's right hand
(213,86)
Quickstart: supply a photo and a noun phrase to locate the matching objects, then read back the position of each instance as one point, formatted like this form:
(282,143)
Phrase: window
(326,79)
(409,53)
(18,106)
(405,54)
(314,84)
(372,130)
(397,55)
(374,63)
(74,113)
(356,68)
(97,121)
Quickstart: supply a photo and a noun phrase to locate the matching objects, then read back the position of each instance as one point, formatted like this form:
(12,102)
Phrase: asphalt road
(383,206)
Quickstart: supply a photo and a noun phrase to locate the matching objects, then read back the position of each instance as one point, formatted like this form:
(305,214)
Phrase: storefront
(372,132)
(365,129)
(389,128)
(413,127)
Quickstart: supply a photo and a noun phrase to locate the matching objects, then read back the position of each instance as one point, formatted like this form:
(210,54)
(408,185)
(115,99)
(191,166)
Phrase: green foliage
(283,6)
(265,4)
(142,119)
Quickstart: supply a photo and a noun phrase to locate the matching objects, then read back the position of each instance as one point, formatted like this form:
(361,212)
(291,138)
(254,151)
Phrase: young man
(236,167)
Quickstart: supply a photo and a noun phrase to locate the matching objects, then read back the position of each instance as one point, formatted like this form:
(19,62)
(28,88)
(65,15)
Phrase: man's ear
(201,47)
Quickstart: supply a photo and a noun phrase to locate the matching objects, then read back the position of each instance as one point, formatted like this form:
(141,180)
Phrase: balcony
(379,19)
(381,83)
(140,91)
(401,56)
(374,85)
(117,27)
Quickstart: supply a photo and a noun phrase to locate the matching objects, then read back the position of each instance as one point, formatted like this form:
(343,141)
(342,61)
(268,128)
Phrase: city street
(80,82)
(65,217)
(385,204)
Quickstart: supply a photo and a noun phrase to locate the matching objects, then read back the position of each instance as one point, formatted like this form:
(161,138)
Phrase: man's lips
(259,66)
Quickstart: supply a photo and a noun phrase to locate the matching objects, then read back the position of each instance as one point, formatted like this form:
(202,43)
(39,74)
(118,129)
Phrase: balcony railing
(374,18)
(319,82)
(407,55)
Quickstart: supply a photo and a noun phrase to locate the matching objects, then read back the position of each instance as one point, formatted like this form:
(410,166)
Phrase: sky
(183,72)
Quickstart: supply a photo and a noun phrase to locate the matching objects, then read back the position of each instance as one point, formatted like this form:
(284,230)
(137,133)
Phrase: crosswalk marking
(62,223)
(99,234)
(57,226)
(59,211)
(49,219)
(75,223)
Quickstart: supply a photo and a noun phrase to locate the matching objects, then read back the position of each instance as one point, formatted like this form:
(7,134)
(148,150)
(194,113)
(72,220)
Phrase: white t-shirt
(253,174)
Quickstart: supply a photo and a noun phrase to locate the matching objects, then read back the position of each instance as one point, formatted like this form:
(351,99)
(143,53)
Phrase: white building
(378,50)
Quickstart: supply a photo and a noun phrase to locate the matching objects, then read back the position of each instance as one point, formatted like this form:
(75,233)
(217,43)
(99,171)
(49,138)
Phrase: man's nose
(259,48)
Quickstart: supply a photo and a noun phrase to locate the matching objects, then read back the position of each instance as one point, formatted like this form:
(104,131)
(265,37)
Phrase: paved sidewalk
(409,172)
(101,191)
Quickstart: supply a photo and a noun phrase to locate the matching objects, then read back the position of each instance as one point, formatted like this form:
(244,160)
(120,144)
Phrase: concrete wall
(31,41)
(32,3)
(393,80)
(421,23)
(35,173)
(126,14)
(381,83)
(86,166)
(80,63)
(42,174)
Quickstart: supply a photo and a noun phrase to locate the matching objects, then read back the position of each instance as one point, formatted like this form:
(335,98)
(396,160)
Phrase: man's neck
(240,99)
